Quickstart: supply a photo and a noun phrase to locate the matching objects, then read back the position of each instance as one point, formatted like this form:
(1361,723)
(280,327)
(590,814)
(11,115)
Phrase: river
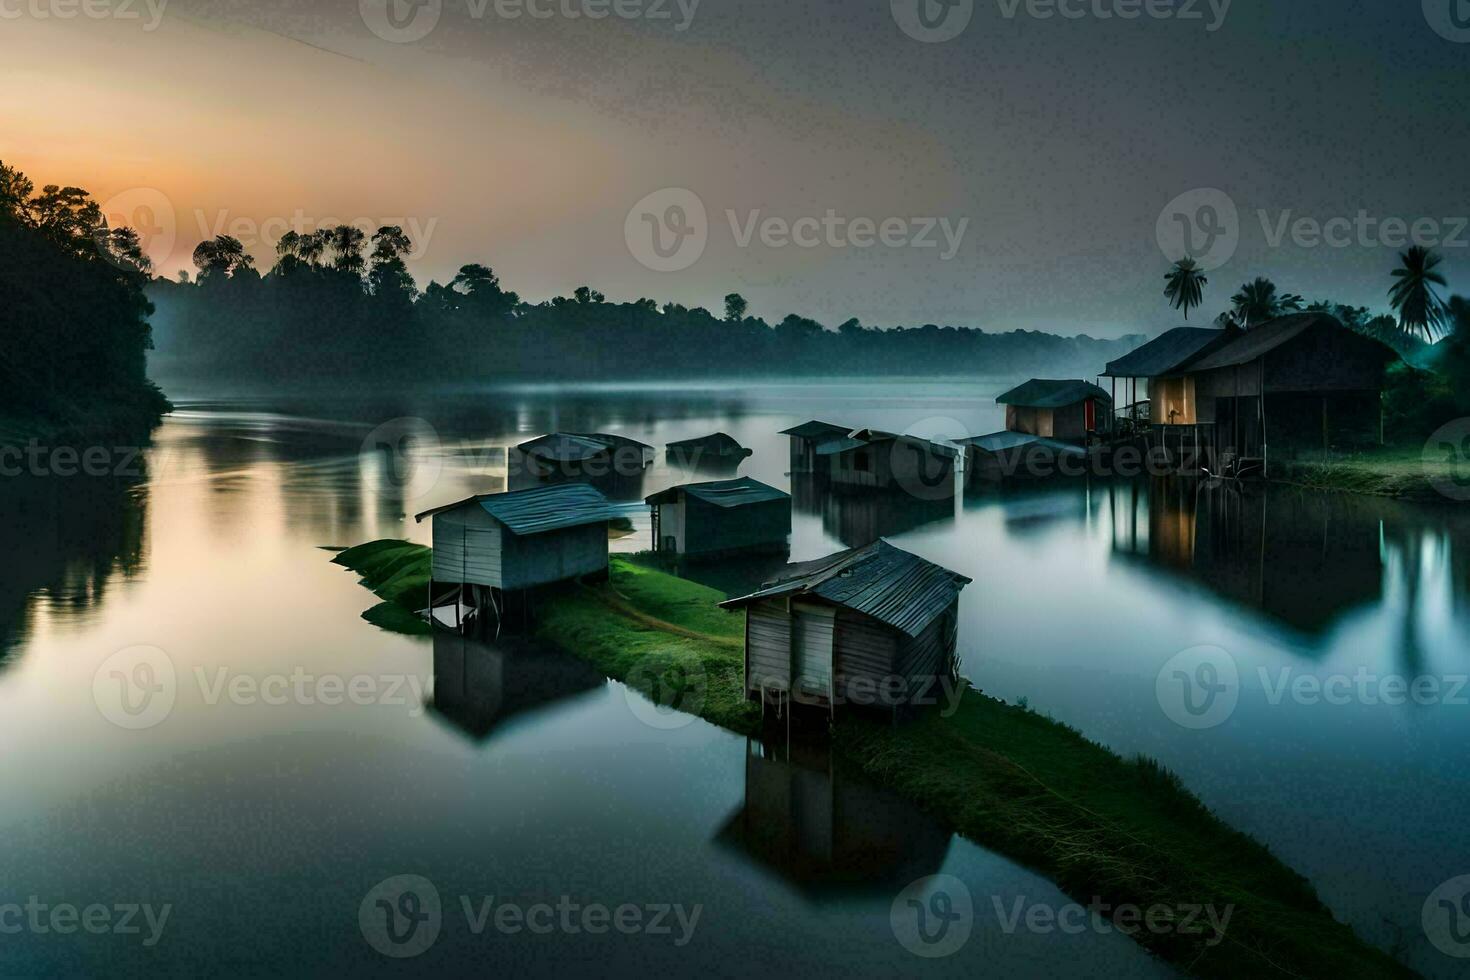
(265,806)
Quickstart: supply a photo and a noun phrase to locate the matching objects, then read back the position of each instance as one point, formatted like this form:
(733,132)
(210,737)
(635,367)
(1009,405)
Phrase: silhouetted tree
(735,307)
(1185,285)
(1419,307)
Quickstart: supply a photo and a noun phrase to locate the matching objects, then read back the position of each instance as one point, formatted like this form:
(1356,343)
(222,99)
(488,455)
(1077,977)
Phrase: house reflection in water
(478,686)
(1301,558)
(858,519)
(827,834)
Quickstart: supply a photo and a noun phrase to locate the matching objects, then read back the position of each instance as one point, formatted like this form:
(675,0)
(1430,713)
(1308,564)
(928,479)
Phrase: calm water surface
(528,777)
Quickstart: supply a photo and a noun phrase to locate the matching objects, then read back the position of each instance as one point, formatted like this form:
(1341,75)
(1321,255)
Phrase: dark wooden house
(511,542)
(723,517)
(805,439)
(1300,381)
(1048,424)
(1168,398)
(840,629)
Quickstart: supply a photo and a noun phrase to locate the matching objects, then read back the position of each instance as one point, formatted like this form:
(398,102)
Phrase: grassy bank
(1123,831)
(1402,472)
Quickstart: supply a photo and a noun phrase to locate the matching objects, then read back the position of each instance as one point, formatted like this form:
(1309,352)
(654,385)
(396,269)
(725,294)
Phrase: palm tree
(1413,298)
(1186,285)
(1257,302)
(312,246)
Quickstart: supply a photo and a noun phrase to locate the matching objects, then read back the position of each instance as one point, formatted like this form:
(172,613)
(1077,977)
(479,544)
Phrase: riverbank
(113,420)
(1100,826)
(1401,472)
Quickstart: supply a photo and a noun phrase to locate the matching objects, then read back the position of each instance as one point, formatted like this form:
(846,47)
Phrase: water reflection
(827,833)
(859,517)
(66,540)
(479,686)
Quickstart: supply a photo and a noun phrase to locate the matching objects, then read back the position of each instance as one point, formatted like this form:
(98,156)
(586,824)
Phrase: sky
(1015,164)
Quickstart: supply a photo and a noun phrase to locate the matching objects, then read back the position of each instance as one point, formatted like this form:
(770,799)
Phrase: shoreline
(1014,781)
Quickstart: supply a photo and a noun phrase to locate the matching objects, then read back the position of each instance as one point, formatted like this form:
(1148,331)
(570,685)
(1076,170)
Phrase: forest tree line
(74,317)
(340,305)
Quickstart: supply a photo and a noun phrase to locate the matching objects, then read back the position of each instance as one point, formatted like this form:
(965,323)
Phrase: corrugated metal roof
(841,445)
(1261,340)
(816,430)
(573,447)
(872,437)
(1041,393)
(541,509)
(1167,352)
(718,443)
(998,442)
(724,493)
(889,584)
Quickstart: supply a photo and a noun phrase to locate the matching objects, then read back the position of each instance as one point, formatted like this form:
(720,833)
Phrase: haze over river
(265,821)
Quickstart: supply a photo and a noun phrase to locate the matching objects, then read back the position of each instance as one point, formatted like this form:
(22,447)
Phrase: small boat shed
(584,454)
(720,518)
(1010,455)
(805,439)
(511,542)
(1069,411)
(716,448)
(844,628)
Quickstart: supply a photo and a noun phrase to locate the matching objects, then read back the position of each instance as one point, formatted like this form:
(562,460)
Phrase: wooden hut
(1049,425)
(723,517)
(511,542)
(1298,382)
(713,450)
(1069,411)
(805,439)
(885,460)
(846,627)
(1168,398)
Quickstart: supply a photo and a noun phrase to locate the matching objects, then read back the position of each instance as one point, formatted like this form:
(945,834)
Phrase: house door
(812,628)
(1090,411)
